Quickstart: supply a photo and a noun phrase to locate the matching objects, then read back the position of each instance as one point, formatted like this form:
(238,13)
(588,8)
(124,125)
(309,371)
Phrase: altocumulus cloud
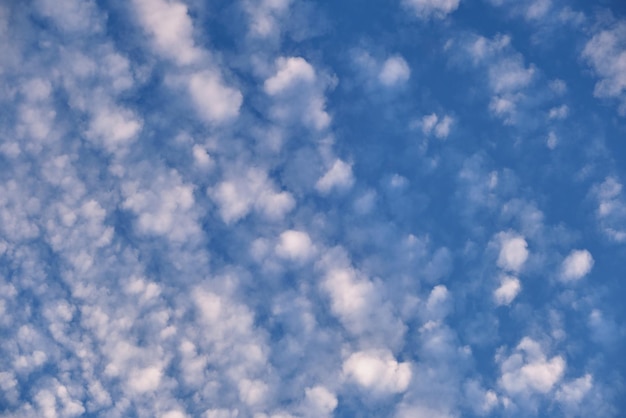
(275,209)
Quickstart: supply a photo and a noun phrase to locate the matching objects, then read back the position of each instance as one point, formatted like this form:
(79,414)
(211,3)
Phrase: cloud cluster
(221,210)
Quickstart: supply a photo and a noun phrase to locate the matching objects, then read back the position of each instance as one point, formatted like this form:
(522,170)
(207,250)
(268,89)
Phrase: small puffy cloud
(425,9)
(611,211)
(264,16)
(509,75)
(252,392)
(298,93)
(164,207)
(113,127)
(440,126)
(508,290)
(70,15)
(174,414)
(513,251)
(144,380)
(576,265)
(201,157)
(528,370)
(338,177)
(480,400)
(214,101)
(290,72)
(394,71)
(573,392)
(320,400)
(439,302)
(171,29)
(560,112)
(221,413)
(377,370)
(538,9)
(605,53)
(552,140)
(295,245)
(240,193)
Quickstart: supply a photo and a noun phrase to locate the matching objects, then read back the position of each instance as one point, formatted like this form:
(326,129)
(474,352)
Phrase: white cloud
(395,71)
(438,304)
(321,401)
(214,101)
(611,211)
(508,290)
(576,265)
(560,112)
(358,302)
(426,9)
(71,15)
(221,413)
(605,53)
(114,127)
(573,392)
(290,71)
(145,380)
(265,15)
(170,26)
(538,9)
(202,158)
(165,207)
(298,93)
(528,370)
(513,251)
(338,177)
(377,370)
(252,392)
(250,190)
(552,140)
(295,245)
(440,126)
(509,75)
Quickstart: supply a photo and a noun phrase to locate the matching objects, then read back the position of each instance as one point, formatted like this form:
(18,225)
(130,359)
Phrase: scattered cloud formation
(276,209)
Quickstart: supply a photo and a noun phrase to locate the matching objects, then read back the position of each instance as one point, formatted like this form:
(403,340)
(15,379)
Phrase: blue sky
(288,208)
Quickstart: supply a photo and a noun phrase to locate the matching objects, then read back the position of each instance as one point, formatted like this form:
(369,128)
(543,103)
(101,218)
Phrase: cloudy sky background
(289,208)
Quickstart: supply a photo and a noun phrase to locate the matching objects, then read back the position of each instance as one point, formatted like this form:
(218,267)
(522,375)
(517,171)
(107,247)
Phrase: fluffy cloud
(320,400)
(508,290)
(507,75)
(576,265)
(528,370)
(295,245)
(513,251)
(395,71)
(611,211)
(440,126)
(298,92)
(338,177)
(163,208)
(250,190)
(214,101)
(170,27)
(265,16)
(605,53)
(573,392)
(426,9)
(377,370)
